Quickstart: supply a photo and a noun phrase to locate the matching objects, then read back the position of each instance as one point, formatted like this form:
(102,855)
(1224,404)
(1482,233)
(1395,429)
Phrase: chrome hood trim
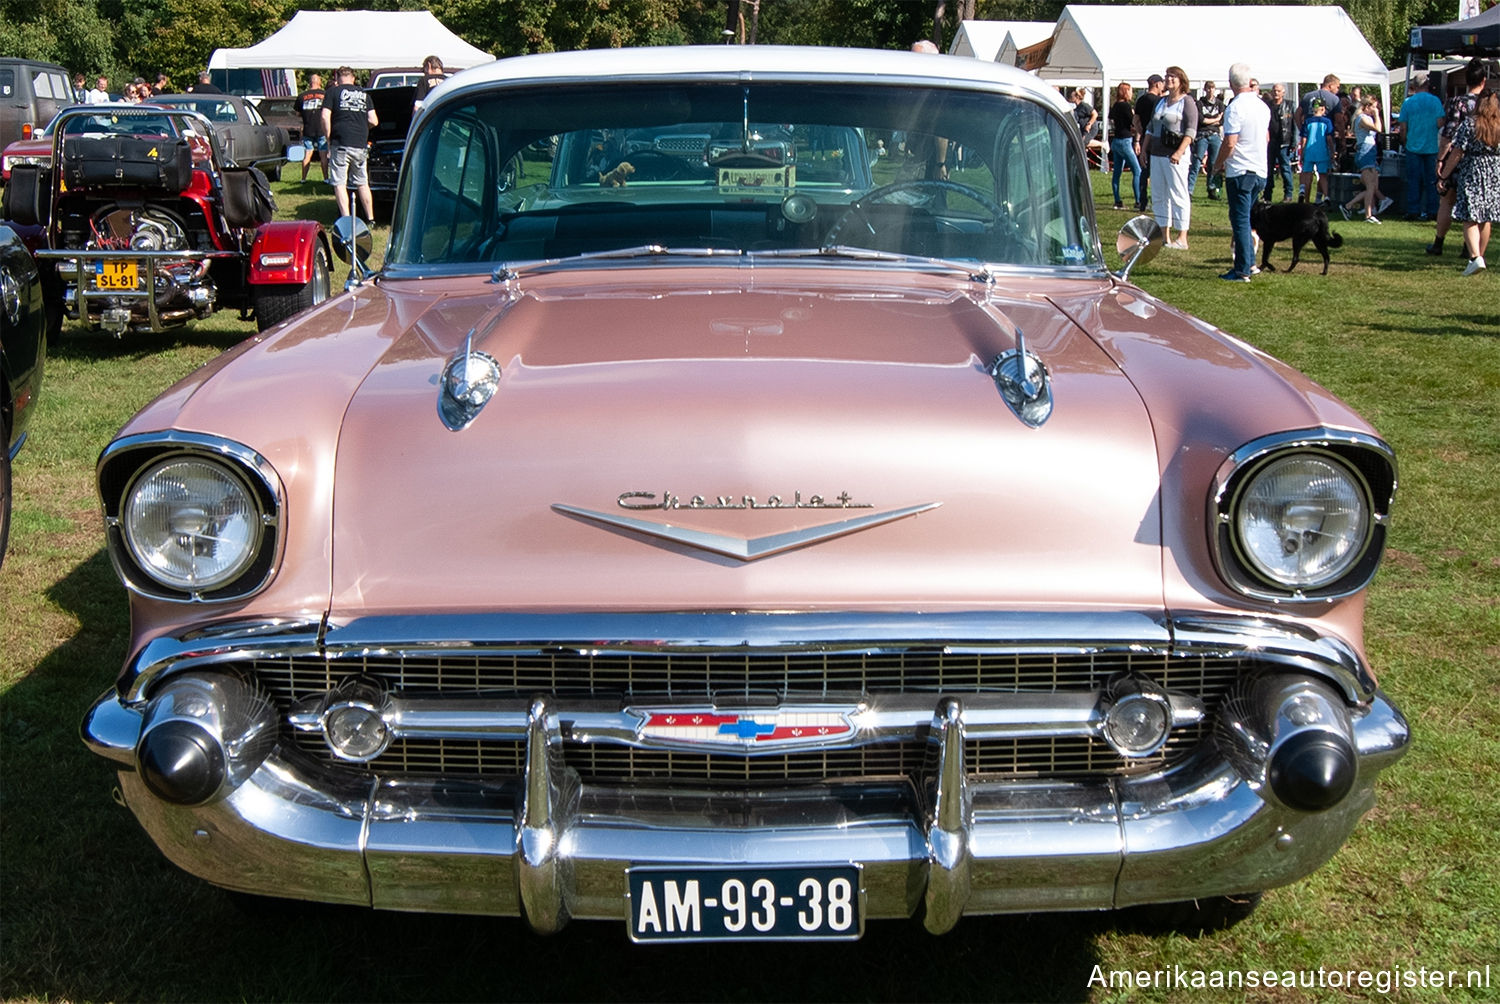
(745,549)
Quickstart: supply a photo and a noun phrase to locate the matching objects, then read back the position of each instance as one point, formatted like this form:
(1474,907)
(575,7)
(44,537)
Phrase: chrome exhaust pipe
(202,736)
(1292,739)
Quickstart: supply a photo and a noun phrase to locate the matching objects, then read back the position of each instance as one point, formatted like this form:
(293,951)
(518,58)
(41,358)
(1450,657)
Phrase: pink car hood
(744,411)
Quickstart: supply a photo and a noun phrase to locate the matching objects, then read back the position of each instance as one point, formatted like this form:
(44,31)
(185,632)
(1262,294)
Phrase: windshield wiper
(978,272)
(654,251)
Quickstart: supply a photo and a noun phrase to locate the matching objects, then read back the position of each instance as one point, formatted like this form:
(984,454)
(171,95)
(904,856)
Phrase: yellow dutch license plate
(116,275)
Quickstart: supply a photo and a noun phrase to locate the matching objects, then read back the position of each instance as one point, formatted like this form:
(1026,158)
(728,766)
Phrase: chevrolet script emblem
(741,548)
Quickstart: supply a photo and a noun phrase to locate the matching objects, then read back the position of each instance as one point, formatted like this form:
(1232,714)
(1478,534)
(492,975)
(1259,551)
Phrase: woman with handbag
(1173,128)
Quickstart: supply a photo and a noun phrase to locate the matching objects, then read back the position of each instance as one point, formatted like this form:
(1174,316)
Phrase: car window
(7,83)
(108,124)
(934,172)
(252,115)
(41,84)
(461,181)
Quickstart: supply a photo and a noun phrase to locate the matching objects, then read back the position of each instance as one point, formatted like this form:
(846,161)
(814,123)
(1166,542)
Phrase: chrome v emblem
(745,549)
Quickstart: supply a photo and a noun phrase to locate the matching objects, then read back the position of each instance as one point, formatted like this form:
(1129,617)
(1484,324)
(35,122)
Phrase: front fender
(283,252)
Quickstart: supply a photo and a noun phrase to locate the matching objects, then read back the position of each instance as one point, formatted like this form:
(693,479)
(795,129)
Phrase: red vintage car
(145,226)
(720,527)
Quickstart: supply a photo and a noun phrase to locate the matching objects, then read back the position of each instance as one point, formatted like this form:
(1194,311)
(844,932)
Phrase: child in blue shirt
(1317,151)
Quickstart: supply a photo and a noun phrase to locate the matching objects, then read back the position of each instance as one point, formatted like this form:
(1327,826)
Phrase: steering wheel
(929,185)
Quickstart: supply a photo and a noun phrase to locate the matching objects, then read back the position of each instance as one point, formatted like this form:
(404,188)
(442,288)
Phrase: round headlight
(1303,521)
(191,524)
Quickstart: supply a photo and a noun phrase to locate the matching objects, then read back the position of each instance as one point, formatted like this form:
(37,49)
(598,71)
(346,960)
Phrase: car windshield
(891,171)
(113,123)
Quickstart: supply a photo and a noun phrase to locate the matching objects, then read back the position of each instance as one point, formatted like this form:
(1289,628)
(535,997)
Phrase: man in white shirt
(1242,159)
(100,93)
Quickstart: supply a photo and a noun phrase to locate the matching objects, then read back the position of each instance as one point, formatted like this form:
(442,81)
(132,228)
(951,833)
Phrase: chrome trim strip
(875,719)
(1188,632)
(741,548)
(1286,643)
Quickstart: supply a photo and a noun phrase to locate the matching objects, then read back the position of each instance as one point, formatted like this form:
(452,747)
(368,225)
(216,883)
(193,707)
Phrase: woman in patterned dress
(1473,164)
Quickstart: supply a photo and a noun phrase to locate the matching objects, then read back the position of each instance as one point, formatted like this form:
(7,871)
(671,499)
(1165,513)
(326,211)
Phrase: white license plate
(746,904)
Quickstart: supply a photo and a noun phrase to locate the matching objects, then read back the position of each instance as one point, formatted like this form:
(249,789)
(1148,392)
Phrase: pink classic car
(744,504)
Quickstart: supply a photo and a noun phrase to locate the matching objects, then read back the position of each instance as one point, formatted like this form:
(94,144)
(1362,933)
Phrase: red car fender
(283,252)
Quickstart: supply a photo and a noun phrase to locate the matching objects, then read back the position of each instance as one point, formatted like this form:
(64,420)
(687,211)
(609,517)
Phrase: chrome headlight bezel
(125,463)
(1370,466)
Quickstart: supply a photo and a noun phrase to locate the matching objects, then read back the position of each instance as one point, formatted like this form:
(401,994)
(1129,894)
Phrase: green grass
(89,910)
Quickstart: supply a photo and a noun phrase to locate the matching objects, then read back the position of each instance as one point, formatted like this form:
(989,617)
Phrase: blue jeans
(1421,182)
(1209,146)
(1243,190)
(1122,153)
(1282,160)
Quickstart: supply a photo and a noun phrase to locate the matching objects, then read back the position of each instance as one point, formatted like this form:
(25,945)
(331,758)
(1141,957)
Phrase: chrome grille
(637,675)
(698,676)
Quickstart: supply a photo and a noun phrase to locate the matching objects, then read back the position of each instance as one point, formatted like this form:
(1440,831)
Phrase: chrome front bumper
(549,848)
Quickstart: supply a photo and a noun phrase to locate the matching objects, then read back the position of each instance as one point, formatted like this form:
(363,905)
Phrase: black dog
(1298,222)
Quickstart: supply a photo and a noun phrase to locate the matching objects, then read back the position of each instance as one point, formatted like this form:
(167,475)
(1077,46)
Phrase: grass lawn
(89,910)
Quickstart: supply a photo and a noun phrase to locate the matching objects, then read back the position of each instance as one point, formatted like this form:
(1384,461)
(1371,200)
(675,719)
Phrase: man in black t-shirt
(1145,107)
(310,104)
(205,85)
(432,76)
(347,118)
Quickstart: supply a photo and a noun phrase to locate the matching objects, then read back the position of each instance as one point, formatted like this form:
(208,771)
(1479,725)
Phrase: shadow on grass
(80,344)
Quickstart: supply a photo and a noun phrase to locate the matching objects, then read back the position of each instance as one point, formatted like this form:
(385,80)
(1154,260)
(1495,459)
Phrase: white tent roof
(984,39)
(363,39)
(1097,46)
(1288,44)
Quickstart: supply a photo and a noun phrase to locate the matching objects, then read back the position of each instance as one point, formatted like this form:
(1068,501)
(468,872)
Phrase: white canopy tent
(362,39)
(1098,46)
(985,40)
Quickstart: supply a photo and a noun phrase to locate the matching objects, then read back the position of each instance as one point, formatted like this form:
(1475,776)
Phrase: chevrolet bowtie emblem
(746,548)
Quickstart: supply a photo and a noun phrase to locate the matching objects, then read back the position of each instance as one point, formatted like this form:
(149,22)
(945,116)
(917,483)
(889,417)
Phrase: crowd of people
(1171,135)
(137,91)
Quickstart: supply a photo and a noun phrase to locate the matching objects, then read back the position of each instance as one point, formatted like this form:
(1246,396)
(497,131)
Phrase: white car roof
(709,62)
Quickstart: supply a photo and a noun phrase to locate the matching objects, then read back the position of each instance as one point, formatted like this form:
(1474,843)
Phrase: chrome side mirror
(352,238)
(1138,242)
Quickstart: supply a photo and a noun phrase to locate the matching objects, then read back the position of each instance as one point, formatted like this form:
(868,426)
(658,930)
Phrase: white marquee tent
(1098,46)
(362,39)
(985,39)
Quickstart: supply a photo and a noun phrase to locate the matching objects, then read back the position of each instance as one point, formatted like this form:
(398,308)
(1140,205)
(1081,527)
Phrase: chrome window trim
(1338,443)
(154,447)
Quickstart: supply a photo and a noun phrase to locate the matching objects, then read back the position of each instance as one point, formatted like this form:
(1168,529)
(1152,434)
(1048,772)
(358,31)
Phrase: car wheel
(1194,917)
(271,171)
(274,304)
